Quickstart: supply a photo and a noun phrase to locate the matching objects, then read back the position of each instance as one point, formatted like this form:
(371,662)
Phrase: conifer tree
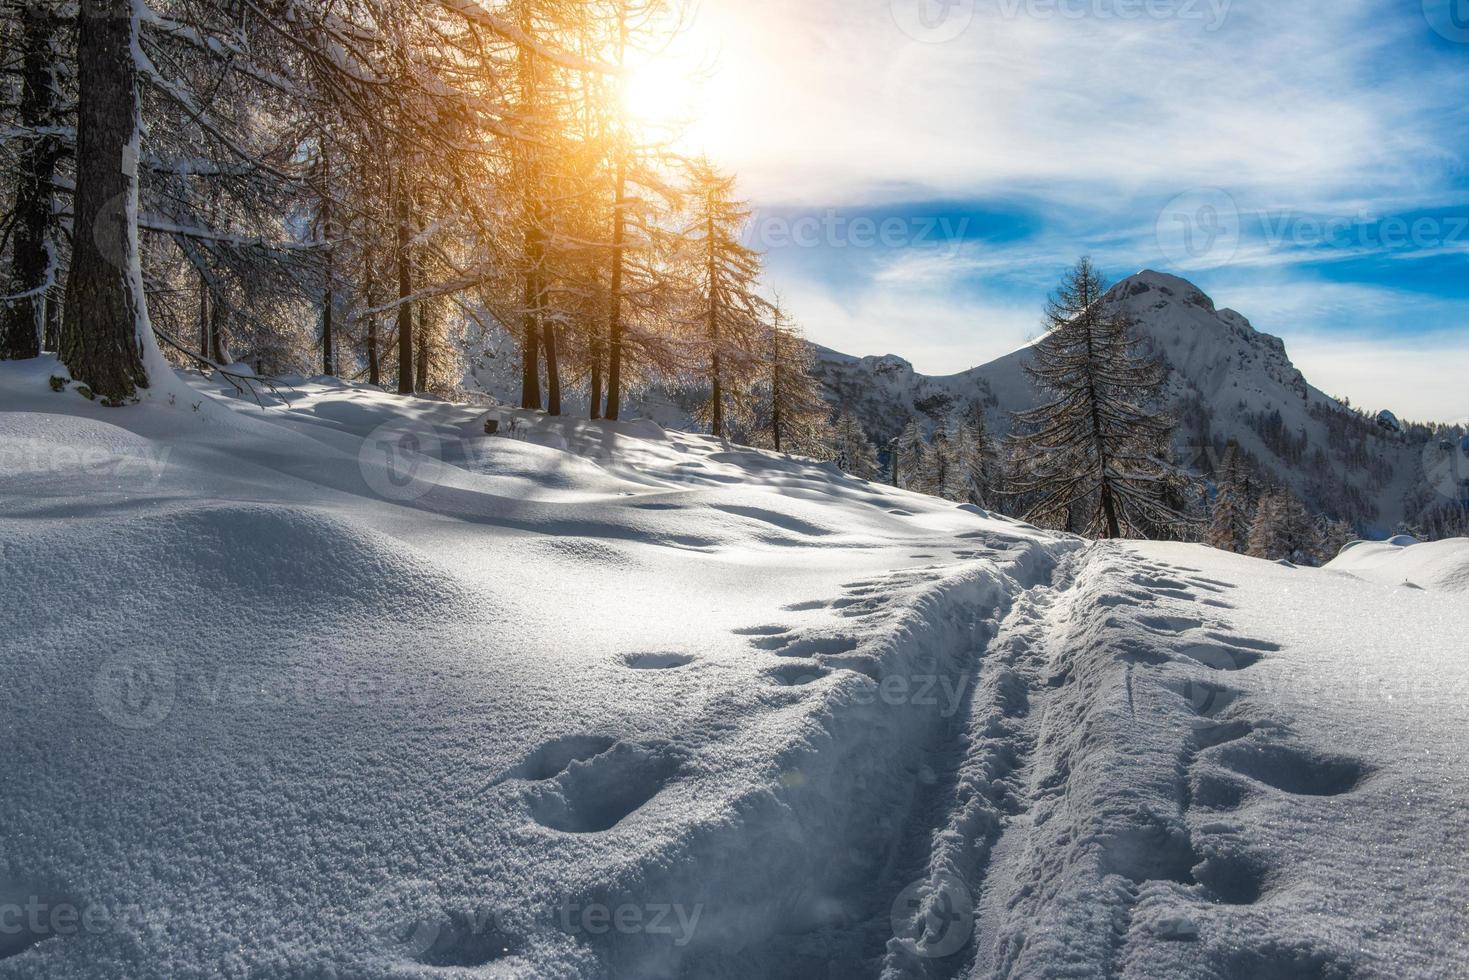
(794,415)
(1230,516)
(911,453)
(852,450)
(977,465)
(1283,530)
(938,474)
(729,313)
(1098,449)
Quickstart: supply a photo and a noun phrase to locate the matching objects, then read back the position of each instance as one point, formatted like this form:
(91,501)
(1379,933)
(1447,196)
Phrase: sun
(659,94)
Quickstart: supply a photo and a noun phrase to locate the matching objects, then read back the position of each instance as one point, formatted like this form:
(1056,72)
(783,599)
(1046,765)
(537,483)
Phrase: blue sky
(924,170)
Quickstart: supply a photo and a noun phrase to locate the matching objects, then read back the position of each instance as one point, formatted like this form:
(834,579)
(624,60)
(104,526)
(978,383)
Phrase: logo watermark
(934,918)
(1449,18)
(834,229)
(1199,229)
(940,21)
(401,461)
(1204,228)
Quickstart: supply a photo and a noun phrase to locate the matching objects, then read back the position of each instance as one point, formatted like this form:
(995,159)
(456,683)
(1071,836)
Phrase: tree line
(252,185)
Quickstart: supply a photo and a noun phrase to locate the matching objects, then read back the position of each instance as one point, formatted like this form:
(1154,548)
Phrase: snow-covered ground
(349,689)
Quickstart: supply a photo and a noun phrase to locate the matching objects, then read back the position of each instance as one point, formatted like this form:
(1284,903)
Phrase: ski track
(1064,817)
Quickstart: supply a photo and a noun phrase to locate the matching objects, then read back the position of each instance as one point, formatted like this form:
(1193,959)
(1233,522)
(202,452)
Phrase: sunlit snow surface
(286,698)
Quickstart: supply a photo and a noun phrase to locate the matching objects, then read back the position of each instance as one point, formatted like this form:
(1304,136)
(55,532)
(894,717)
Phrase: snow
(1216,360)
(345,688)
(1437,565)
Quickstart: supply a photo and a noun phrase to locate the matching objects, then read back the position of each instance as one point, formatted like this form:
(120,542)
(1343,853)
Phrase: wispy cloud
(1068,129)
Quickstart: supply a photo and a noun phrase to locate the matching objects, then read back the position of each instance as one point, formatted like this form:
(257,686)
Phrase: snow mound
(1442,566)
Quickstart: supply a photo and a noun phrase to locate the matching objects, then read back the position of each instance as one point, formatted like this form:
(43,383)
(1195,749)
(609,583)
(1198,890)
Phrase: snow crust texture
(347,689)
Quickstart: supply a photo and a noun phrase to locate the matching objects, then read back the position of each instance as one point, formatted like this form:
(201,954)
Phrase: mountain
(1226,380)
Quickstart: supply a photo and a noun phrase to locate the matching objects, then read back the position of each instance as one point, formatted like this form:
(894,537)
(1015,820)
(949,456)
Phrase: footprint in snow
(797,675)
(596,795)
(771,630)
(1220,657)
(657,661)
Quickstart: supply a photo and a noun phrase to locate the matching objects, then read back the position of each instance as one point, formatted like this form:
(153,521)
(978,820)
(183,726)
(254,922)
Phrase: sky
(923,171)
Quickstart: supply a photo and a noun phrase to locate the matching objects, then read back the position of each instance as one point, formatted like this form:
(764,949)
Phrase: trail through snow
(348,689)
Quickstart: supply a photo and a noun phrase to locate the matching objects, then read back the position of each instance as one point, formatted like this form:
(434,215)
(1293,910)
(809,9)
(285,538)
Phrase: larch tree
(28,306)
(641,200)
(106,338)
(728,313)
(853,450)
(1283,530)
(1232,510)
(1097,453)
(977,460)
(908,459)
(793,415)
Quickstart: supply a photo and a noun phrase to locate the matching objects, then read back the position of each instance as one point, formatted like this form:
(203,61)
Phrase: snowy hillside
(1226,381)
(349,689)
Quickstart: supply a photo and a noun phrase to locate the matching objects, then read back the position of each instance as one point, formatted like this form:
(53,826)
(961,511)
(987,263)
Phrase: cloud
(831,100)
(1422,380)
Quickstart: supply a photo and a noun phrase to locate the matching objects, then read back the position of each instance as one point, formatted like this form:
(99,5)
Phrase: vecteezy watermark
(834,229)
(131,468)
(934,918)
(415,925)
(916,690)
(28,919)
(1205,228)
(1199,229)
(142,691)
(673,920)
(135,690)
(401,461)
(1211,13)
(933,21)
(1450,18)
(938,21)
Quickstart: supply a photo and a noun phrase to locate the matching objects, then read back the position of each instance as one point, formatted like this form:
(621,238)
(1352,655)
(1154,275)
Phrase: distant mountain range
(1226,381)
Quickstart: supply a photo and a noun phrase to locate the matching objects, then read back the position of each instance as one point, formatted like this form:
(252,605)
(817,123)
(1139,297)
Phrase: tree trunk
(23,320)
(775,394)
(204,345)
(374,367)
(717,412)
(596,353)
(614,315)
(530,348)
(424,328)
(102,341)
(553,369)
(405,290)
(329,299)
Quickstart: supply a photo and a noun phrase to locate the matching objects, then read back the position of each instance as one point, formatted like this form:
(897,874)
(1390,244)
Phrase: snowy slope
(347,689)
(1438,565)
(1224,377)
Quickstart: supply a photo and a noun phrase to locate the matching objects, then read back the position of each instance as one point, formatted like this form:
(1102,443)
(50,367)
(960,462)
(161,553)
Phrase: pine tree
(1283,530)
(105,332)
(28,306)
(1230,516)
(937,473)
(852,450)
(911,454)
(1332,536)
(977,465)
(1097,450)
(794,414)
(728,324)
